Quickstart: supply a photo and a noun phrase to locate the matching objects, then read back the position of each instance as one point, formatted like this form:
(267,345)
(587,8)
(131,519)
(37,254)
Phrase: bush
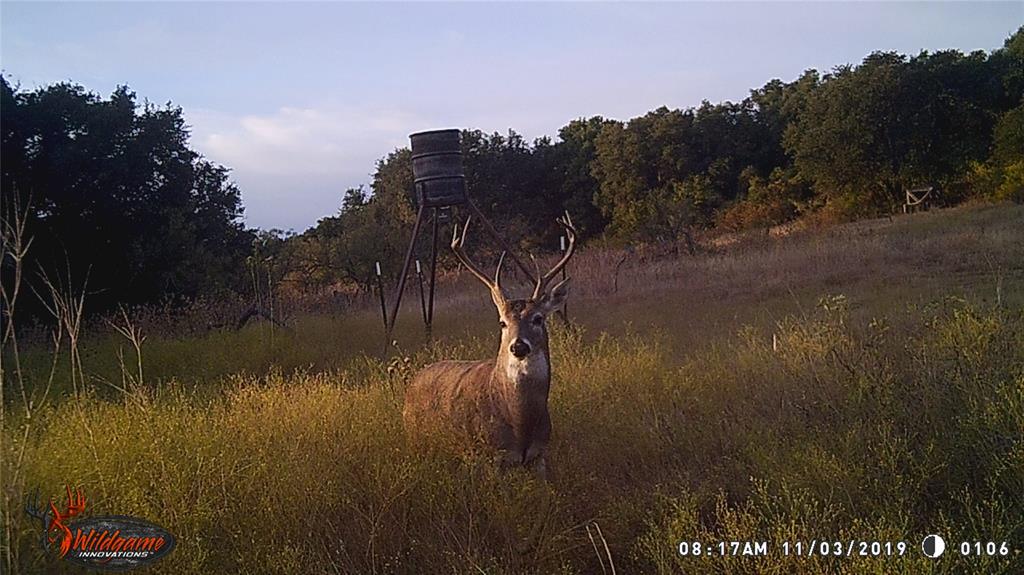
(768,202)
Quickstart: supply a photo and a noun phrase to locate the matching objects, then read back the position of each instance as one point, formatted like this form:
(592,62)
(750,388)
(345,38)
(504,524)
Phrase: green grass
(891,407)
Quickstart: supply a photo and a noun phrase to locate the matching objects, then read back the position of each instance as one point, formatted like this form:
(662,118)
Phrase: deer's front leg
(503,439)
(540,467)
(536,459)
(506,459)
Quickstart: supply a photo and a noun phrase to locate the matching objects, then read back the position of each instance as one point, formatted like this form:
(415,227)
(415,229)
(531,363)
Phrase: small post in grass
(423,296)
(383,304)
(565,306)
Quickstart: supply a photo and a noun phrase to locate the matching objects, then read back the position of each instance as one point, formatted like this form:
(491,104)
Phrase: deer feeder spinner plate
(438,175)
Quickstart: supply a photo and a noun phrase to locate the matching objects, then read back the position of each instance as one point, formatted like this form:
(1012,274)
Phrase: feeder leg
(501,241)
(405,272)
(433,278)
(423,297)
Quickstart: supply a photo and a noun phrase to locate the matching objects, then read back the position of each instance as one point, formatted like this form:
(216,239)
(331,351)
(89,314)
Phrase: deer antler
(542,281)
(458,246)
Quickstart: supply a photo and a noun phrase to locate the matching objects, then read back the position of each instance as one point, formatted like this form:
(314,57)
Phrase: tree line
(845,144)
(113,200)
(112,190)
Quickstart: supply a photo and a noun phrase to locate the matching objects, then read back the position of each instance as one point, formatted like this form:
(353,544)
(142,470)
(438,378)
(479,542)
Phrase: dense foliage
(111,194)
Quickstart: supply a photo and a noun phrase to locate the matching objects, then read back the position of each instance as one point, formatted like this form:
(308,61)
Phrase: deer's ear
(556,296)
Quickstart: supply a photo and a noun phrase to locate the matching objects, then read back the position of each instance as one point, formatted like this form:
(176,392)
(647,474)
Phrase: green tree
(1002,176)
(634,159)
(575,185)
(668,163)
(868,132)
(115,193)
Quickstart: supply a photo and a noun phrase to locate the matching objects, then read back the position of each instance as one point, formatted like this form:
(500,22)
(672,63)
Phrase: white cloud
(293,164)
(300,140)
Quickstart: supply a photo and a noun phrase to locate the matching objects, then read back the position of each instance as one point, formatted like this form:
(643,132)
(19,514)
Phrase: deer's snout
(520,348)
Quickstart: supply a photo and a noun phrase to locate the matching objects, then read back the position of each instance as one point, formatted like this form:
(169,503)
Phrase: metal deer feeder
(440,185)
(437,171)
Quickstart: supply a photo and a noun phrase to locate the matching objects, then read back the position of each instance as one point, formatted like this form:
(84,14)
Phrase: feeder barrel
(437,169)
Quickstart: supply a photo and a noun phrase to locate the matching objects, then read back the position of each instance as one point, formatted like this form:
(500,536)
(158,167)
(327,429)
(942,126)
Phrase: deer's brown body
(502,402)
(480,401)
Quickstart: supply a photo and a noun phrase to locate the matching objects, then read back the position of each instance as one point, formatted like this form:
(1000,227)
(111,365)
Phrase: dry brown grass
(881,265)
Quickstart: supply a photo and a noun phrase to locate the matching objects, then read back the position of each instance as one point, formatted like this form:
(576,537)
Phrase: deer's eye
(502,324)
(538,319)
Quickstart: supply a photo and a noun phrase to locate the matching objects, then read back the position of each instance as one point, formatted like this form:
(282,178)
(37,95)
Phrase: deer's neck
(527,378)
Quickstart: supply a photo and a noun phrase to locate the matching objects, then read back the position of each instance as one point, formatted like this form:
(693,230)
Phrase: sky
(300,100)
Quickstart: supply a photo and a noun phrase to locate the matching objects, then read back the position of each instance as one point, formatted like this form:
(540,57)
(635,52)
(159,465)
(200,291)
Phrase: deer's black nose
(520,348)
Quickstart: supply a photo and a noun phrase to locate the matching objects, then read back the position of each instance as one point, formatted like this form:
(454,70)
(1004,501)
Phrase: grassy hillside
(890,406)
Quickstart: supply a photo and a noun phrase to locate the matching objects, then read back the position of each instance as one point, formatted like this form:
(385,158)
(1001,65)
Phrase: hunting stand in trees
(917,198)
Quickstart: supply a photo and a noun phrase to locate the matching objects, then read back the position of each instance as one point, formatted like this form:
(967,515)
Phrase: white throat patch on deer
(502,401)
(523,371)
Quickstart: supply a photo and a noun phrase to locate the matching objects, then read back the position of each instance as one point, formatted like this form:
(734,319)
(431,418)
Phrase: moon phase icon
(933,546)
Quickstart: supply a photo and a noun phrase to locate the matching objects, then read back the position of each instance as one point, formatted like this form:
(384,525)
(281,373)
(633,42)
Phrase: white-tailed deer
(503,401)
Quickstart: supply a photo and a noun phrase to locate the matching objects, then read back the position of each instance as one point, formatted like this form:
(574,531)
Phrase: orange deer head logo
(54,520)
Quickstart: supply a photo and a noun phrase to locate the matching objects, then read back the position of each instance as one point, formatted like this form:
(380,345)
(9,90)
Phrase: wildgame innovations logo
(110,542)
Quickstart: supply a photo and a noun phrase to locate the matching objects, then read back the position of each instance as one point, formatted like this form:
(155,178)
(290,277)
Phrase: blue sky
(300,99)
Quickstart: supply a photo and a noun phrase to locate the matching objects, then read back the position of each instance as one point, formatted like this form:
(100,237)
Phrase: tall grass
(886,413)
(848,429)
